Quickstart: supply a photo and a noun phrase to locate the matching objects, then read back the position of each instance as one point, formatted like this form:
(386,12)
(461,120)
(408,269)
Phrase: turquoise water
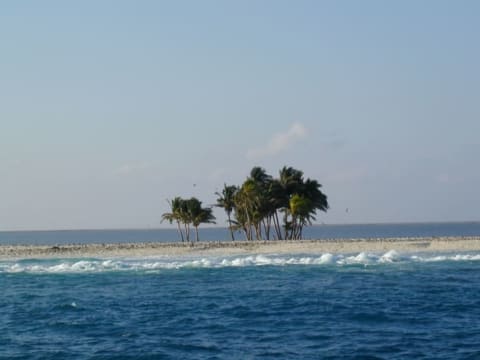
(296,306)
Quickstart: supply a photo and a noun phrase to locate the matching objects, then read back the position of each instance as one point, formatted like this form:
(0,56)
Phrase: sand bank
(345,246)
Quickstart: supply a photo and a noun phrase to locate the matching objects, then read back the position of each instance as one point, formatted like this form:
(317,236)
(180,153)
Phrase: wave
(61,266)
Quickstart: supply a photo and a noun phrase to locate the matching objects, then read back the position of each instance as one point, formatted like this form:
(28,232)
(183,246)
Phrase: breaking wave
(154,264)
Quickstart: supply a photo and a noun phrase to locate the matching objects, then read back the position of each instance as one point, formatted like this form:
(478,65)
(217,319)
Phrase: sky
(109,108)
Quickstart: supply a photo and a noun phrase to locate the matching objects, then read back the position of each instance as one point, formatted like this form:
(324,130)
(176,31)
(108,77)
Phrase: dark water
(337,307)
(221,234)
(294,306)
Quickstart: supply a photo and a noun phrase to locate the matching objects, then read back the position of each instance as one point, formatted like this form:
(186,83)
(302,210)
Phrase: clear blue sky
(108,108)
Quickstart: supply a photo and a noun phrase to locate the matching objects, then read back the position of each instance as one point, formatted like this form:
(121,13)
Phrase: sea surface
(222,234)
(291,306)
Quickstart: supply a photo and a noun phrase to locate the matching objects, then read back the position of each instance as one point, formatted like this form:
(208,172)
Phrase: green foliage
(261,199)
(226,200)
(186,213)
(256,207)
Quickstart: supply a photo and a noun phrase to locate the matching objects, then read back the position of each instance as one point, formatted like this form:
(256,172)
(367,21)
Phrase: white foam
(362,258)
(390,256)
(157,264)
(451,257)
(326,259)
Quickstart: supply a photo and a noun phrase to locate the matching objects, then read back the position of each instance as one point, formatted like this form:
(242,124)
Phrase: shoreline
(229,248)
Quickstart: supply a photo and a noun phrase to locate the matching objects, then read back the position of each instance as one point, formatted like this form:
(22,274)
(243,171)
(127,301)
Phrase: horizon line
(226,228)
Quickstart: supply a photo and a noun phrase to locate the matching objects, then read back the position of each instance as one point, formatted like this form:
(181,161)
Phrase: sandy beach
(427,244)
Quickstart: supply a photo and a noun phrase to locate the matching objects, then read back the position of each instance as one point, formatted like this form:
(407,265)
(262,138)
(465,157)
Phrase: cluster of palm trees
(263,207)
(256,207)
(186,213)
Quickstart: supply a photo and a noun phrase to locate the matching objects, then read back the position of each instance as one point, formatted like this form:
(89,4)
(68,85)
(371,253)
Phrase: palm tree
(226,200)
(198,215)
(300,202)
(188,212)
(175,214)
(204,217)
(263,205)
(301,211)
(259,175)
(244,202)
(311,190)
(257,203)
(290,181)
(277,198)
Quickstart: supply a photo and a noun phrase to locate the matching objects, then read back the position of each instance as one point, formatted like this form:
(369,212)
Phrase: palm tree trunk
(266,229)
(196,233)
(293,235)
(180,231)
(249,225)
(246,232)
(258,231)
(287,229)
(276,223)
(187,232)
(267,226)
(230,226)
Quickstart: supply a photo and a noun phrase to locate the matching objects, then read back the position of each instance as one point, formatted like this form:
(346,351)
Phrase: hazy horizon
(108,109)
(218,226)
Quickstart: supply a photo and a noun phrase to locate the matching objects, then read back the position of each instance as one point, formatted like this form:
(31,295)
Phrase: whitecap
(361,258)
(167,263)
(325,259)
(390,256)
(264,260)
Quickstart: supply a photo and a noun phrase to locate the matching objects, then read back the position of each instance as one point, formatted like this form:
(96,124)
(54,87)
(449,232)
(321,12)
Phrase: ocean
(353,231)
(290,306)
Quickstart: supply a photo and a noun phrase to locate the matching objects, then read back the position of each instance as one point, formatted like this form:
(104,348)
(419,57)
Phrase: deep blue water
(221,234)
(295,306)
(389,306)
